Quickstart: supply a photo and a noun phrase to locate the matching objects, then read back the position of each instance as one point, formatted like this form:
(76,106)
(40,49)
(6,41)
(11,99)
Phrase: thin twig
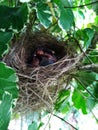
(80,6)
(64,121)
(85,88)
(47,122)
(81,49)
(94,116)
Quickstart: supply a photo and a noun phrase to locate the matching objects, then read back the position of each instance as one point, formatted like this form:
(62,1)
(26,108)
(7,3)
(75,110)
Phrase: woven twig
(39,86)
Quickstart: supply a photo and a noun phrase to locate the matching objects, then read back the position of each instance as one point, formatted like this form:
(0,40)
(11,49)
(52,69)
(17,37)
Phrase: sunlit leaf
(40,125)
(87,2)
(62,104)
(5,111)
(66,19)
(44,14)
(33,126)
(85,35)
(79,101)
(8,81)
(96,22)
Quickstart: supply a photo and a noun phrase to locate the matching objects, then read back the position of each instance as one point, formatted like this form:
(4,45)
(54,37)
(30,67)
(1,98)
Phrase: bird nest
(39,85)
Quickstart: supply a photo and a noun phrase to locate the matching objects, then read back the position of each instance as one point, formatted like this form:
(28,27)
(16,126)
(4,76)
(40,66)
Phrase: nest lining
(39,85)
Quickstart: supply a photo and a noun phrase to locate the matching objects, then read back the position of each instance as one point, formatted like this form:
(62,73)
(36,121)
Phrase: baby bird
(46,56)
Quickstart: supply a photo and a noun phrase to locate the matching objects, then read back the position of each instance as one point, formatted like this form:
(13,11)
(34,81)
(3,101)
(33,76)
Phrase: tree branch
(93,67)
(80,6)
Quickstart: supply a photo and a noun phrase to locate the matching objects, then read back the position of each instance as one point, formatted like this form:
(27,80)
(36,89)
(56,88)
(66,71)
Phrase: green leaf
(90,34)
(81,14)
(44,14)
(19,17)
(40,125)
(85,35)
(79,101)
(86,2)
(5,111)
(96,90)
(95,7)
(8,3)
(86,77)
(66,19)
(62,3)
(62,103)
(8,81)
(15,16)
(93,55)
(96,22)
(33,126)
(91,103)
(5,38)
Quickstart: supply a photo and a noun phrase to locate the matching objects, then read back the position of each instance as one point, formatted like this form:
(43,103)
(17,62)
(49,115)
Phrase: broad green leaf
(81,34)
(33,126)
(90,34)
(66,19)
(62,103)
(79,101)
(13,16)
(44,14)
(19,17)
(86,77)
(8,81)
(62,3)
(5,111)
(5,37)
(85,35)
